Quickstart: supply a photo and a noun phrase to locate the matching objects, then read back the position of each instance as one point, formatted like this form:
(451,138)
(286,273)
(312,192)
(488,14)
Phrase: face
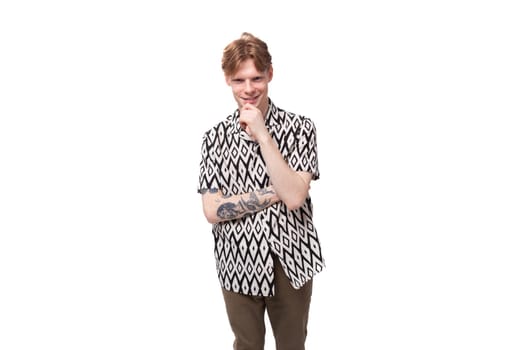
(250,86)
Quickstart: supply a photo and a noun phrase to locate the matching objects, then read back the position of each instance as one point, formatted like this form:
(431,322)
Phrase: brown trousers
(287,312)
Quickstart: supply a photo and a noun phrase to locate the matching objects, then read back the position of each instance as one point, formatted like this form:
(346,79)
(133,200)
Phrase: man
(255,176)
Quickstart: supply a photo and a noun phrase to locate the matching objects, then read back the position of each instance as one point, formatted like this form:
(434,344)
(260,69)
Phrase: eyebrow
(252,78)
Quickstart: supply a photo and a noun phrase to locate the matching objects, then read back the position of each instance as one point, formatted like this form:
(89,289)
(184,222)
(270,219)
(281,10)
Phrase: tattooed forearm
(228,211)
(255,202)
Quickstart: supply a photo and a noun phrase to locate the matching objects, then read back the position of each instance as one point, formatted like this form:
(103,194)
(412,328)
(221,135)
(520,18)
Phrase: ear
(227,79)
(270,73)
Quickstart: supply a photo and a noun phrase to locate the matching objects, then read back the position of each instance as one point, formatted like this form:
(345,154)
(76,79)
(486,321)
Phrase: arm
(218,207)
(291,186)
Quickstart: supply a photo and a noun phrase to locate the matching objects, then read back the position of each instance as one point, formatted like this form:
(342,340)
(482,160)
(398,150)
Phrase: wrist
(265,140)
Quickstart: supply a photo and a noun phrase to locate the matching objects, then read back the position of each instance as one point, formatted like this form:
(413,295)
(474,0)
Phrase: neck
(264,107)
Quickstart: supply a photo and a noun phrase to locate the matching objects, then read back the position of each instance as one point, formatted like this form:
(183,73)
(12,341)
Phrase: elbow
(293,206)
(212,220)
(297,200)
(294,203)
(211,217)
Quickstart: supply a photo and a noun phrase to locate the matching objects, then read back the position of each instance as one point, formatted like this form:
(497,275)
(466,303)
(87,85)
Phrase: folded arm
(291,186)
(219,207)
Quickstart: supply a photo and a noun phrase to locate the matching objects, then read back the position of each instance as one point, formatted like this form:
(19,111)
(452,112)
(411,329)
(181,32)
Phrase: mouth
(251,100)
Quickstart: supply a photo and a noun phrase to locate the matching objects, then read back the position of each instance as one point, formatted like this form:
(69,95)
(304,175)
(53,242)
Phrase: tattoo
(227,211)
(265,191)
(244,207)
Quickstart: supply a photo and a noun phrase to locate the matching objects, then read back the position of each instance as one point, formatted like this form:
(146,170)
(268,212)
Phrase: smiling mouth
(251,100)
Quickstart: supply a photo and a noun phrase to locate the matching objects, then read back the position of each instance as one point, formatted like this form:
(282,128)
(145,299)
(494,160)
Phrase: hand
(252,121)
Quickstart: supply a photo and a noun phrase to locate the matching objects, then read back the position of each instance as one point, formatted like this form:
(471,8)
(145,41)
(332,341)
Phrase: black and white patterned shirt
(232,161)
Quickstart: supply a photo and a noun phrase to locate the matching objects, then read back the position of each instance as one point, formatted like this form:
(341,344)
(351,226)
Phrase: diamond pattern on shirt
(232,161)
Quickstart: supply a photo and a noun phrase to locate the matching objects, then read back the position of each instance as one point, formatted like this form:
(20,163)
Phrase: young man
(255,175)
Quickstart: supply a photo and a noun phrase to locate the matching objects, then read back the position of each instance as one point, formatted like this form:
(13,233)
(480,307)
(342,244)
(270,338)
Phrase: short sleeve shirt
(232,162)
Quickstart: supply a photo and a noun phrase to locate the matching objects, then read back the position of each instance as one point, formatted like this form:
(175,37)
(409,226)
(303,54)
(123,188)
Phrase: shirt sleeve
(303,157)
(209,169)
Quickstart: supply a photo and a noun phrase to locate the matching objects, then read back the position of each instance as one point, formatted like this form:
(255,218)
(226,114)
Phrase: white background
(420,207)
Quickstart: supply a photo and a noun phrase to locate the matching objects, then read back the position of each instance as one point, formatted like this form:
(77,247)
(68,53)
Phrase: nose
(248,87)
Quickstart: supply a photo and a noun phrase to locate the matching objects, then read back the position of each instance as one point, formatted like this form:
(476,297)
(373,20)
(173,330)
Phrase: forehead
(247,68)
